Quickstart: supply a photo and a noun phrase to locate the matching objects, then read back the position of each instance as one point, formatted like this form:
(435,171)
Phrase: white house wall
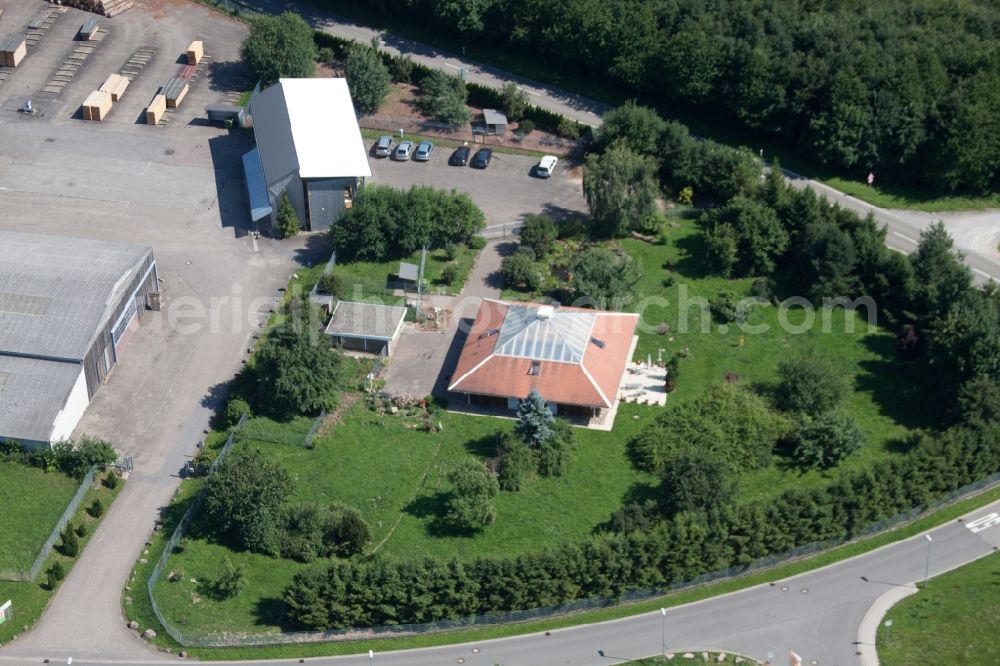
(72,411)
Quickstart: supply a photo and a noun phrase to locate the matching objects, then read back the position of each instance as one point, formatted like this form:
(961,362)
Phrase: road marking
(984,274)
(984,522)
(896,233)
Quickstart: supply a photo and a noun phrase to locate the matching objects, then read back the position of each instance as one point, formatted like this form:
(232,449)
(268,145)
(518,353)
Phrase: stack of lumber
(174,90)
(97,105)
(106,7)
(116,85)
(156,109)
(195,52)
(88,30)
(12,50)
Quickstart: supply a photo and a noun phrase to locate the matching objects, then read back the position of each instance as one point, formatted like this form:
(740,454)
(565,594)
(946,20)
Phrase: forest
(907,89)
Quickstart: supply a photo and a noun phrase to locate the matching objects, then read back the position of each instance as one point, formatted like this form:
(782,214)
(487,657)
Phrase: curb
(867,654)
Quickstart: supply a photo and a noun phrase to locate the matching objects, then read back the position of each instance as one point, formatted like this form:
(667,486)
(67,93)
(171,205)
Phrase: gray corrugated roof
(32,392)
(544,334)
(365,320)
(494,117)
(57,292)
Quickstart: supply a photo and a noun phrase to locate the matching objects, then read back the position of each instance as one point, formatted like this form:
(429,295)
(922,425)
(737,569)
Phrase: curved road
(818,614)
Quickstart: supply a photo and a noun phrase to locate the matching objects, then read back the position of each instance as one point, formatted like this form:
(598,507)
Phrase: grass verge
(953,620)
(26,525)
(31,598)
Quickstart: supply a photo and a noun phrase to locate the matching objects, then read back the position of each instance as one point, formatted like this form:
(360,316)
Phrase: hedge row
(385,591)
(479,95)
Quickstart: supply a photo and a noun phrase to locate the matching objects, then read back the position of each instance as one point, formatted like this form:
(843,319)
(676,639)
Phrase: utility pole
(663,631)
(420,280)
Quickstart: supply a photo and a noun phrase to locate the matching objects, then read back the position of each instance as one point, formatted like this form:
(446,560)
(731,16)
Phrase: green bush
(81,530)
(96,508)
(825,441)
(55,573)
(724,306)
(230,581)
(111,480)
(515,463)
(443,97)
(235,409)
(332,284)
(288,221)
(520,271)
(449,274)
(539,232)
(470,505)
(526,127)
(69,544)
(809,384)
(477,243)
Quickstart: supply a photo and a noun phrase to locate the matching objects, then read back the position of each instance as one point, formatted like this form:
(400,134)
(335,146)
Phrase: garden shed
(495,122)
(368,328)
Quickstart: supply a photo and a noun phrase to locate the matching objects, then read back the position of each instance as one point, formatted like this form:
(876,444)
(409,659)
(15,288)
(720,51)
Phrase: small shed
(369,328)
(408,272)
(495,122)
(13,48)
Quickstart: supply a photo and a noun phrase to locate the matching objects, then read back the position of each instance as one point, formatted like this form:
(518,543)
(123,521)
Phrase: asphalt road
(817,614)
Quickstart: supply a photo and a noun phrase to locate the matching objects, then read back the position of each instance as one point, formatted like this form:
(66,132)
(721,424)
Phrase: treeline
(386,223)
(377,592)
(909,89)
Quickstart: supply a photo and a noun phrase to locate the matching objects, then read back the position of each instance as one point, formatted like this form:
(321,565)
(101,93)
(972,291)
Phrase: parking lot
(506,190)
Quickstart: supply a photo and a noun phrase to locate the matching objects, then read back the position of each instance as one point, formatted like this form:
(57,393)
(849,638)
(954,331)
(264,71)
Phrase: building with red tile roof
(573,357)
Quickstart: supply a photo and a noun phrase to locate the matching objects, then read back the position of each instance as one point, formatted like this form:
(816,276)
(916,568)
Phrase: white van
(546,166)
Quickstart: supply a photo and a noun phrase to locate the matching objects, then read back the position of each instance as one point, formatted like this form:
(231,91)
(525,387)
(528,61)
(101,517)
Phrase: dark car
(482,158)
(460,157)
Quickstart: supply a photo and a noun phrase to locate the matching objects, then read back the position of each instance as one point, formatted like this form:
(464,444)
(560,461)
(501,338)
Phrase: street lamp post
(663,631)
(927,564)
(371,657)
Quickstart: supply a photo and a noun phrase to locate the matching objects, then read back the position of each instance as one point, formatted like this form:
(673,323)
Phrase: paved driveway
(505,190)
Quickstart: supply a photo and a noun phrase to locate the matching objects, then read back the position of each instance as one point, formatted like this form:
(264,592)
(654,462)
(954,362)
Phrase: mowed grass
(32,502)
(364,279)
(952,621)
(394,473)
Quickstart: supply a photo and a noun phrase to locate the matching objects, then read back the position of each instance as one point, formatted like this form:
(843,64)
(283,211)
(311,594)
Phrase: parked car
(460,157)
(384,146)
(423,152)
(403,151)
(482,158)
(546,166)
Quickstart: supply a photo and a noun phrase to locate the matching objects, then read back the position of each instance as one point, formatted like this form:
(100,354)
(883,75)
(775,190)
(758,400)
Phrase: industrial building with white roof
(309,146)
(67,308)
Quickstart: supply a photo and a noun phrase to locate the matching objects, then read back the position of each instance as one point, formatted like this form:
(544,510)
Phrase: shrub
(520,272)
(535,423)
(235,409)
(230,581)
(554,454)
(243,499)
(442,98)
(809,384)
(288,221)
(539,233)
(604,278)
(825,441)
(96,508)
(696,480)
(332,284)
(111,480)
(449,274)
(477,243)
(367,77)
(81,530)
(515,464)
(55,573)
(569,129)
(69,542)
(634,517)
(513,101)
(297,370)
(526,127)
(401,68)
(348,532)
(76,459)
(470,506)
(450,251)
(724,306)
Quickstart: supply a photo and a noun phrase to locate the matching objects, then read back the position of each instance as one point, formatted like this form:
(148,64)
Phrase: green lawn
(394,473)
(364,279)
(32,502)
(953,620)
(30,598)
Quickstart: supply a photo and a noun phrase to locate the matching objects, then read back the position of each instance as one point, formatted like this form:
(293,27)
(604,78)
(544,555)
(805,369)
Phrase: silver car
(403,151)
(384,146)
(423,152)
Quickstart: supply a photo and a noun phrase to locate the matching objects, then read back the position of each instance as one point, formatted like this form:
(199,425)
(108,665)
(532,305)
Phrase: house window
(536,368)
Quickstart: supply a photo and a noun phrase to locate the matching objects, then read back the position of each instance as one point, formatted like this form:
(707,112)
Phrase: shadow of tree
(903,391)
(484,447)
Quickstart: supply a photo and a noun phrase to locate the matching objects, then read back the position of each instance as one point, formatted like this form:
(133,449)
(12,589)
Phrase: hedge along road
(976,235)
(818,614)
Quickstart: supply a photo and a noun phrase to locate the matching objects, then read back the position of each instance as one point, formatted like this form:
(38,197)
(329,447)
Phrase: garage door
(122,325)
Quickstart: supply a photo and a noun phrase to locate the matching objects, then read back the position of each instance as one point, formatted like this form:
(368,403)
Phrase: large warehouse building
(308,146)
(67,309)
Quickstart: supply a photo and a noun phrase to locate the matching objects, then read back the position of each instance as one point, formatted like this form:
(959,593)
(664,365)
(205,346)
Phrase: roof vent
(598,343)
(536,368)
(545,312)
(491,332)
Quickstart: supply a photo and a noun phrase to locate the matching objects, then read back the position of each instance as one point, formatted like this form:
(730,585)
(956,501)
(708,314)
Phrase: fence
(31,573)
(238,640)
(502,231)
